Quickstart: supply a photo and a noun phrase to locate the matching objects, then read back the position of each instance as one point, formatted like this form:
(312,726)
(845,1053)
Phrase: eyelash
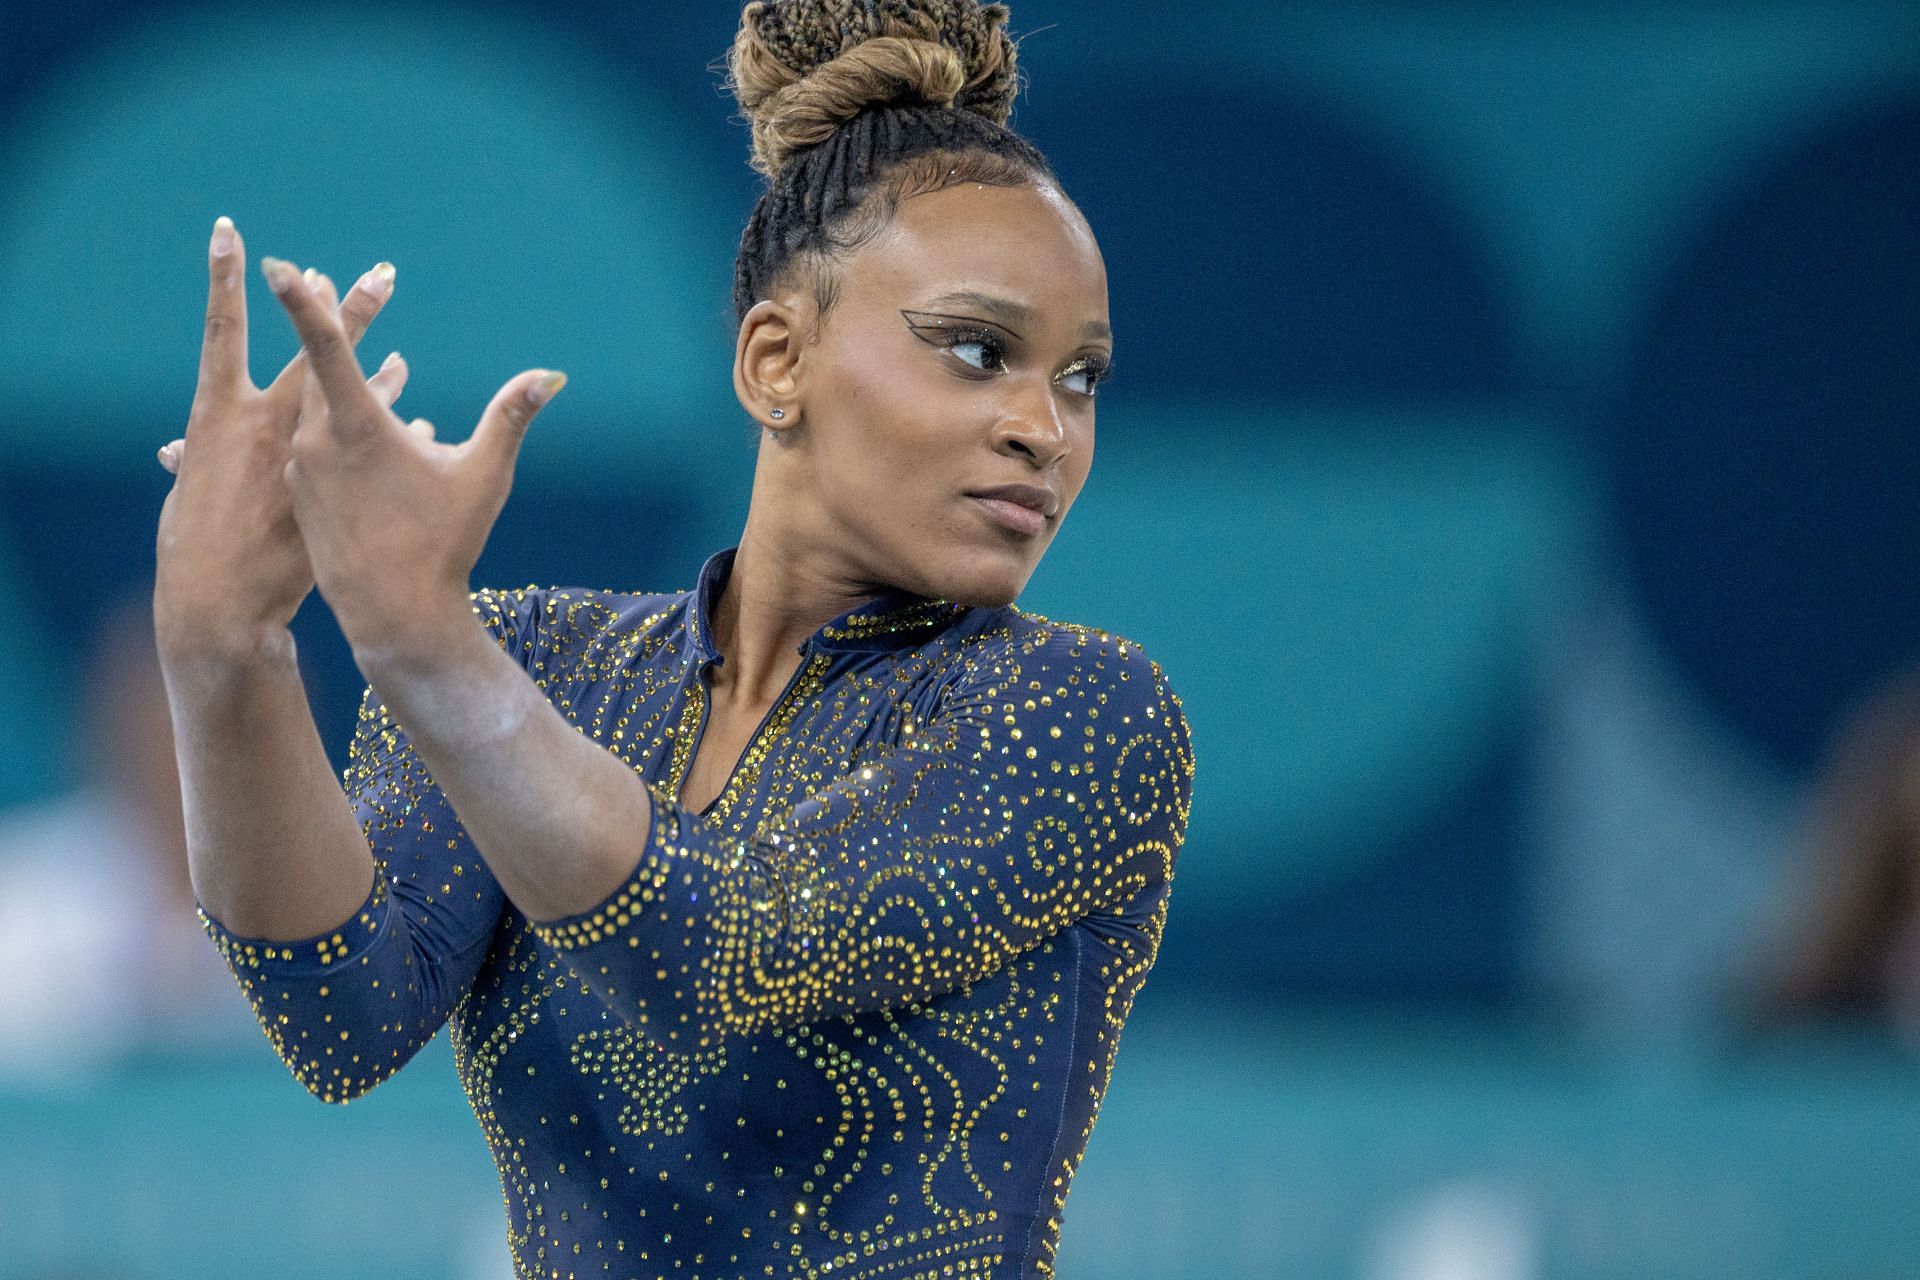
(1098,370)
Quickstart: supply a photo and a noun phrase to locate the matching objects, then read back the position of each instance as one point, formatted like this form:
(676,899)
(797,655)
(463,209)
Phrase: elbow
(332,1076)
(339,1099)
(334,1087)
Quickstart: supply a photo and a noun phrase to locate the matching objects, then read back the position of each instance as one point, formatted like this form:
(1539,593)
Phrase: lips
(1031,496)
(1013,517)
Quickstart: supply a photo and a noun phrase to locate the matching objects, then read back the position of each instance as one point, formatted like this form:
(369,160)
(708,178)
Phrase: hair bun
(802,68)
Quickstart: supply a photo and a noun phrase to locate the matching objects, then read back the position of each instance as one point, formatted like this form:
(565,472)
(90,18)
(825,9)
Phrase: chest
(716,755)
(738,763)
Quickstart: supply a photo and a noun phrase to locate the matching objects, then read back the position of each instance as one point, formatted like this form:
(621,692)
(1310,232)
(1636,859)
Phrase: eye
(972,343)
(1091,370)
(978,348)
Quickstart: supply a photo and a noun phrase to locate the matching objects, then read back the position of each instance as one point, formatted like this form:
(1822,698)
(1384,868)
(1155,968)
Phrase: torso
(902,1142)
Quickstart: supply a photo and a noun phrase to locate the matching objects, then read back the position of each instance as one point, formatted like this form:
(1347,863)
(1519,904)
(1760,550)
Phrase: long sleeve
(347,1008)
(1052,782)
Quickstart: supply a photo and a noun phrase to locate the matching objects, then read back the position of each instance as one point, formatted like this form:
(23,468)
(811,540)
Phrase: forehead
(1025,243)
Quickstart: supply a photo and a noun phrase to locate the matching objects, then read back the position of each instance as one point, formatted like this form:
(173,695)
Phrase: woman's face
(960,356)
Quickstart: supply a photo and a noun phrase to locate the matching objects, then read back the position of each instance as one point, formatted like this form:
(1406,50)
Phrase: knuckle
(356,316)
(257,451)
(220,326)
(323,344)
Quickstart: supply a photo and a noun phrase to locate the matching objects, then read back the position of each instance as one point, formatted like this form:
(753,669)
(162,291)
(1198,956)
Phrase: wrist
(215,648)
(451,684)
(219,674)
(408,626)
(407,643)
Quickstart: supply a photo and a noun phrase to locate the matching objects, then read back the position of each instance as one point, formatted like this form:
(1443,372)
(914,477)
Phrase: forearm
(559,820)
(273,846)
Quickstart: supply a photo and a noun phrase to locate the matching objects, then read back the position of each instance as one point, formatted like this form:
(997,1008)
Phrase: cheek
(902,427)
(1078,464)
(878,404)
(889,455)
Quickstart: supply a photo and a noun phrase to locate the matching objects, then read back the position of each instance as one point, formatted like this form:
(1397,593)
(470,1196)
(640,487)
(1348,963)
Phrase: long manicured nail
(546,387)
(280,274)
(222,236)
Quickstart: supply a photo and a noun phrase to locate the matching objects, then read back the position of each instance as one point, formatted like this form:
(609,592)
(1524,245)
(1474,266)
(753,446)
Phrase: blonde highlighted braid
(855,104)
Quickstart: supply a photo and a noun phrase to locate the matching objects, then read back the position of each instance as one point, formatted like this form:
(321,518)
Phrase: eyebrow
(1007,313)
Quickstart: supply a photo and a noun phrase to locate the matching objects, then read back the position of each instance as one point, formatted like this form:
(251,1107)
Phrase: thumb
(504,425)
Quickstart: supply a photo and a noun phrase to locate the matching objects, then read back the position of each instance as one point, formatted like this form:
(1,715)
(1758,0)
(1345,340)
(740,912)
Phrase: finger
(389,379)
(313,402)
(504,425)
(352,410)
(223,347)
(170,454)
(357,310)
(421,430)
(364,300)
(323,288)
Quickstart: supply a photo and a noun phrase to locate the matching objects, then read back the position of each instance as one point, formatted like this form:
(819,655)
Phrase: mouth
(1019,508)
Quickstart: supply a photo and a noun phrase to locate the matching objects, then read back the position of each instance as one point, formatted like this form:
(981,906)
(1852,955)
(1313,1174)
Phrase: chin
(983,581)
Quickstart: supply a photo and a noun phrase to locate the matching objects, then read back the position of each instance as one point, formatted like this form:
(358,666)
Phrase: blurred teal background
(1512,462)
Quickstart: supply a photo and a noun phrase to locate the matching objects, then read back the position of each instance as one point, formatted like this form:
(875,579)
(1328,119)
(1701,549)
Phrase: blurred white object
(99,944)
(100,954)
(1458,1231)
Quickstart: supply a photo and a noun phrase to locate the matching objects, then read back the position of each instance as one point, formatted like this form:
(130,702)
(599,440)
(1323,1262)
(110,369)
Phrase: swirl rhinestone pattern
(851,1022)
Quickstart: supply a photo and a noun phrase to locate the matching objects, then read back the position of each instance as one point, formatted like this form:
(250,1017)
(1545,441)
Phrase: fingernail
(165,454)
(392,357)
(280,274)
(547,387)
(382,279)
(222,236)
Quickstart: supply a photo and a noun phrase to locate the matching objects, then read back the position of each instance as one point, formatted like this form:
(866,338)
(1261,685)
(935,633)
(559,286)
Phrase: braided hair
(857,104)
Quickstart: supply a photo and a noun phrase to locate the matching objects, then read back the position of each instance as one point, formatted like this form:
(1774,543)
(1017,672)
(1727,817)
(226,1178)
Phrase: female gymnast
(786,925)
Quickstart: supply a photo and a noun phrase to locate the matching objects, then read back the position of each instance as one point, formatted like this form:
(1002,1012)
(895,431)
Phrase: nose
(1032,427)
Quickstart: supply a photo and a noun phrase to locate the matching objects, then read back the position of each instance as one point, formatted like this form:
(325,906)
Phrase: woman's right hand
(231,566)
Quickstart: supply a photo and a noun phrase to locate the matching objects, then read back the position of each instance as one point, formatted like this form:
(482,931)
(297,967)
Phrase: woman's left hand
(393,519)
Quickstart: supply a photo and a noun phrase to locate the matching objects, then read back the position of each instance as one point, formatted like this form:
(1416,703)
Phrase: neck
(778,593)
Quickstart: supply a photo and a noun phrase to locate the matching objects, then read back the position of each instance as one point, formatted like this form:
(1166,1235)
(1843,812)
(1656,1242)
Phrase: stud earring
(778,413)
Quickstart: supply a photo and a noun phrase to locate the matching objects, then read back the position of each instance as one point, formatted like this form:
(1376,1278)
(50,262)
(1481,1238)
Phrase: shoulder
(551,631)
(554,622)
(1017,666)
(1011,644)
(1076,714)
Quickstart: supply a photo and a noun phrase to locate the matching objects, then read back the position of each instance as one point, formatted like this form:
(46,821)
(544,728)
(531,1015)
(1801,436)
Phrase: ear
(766,361)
